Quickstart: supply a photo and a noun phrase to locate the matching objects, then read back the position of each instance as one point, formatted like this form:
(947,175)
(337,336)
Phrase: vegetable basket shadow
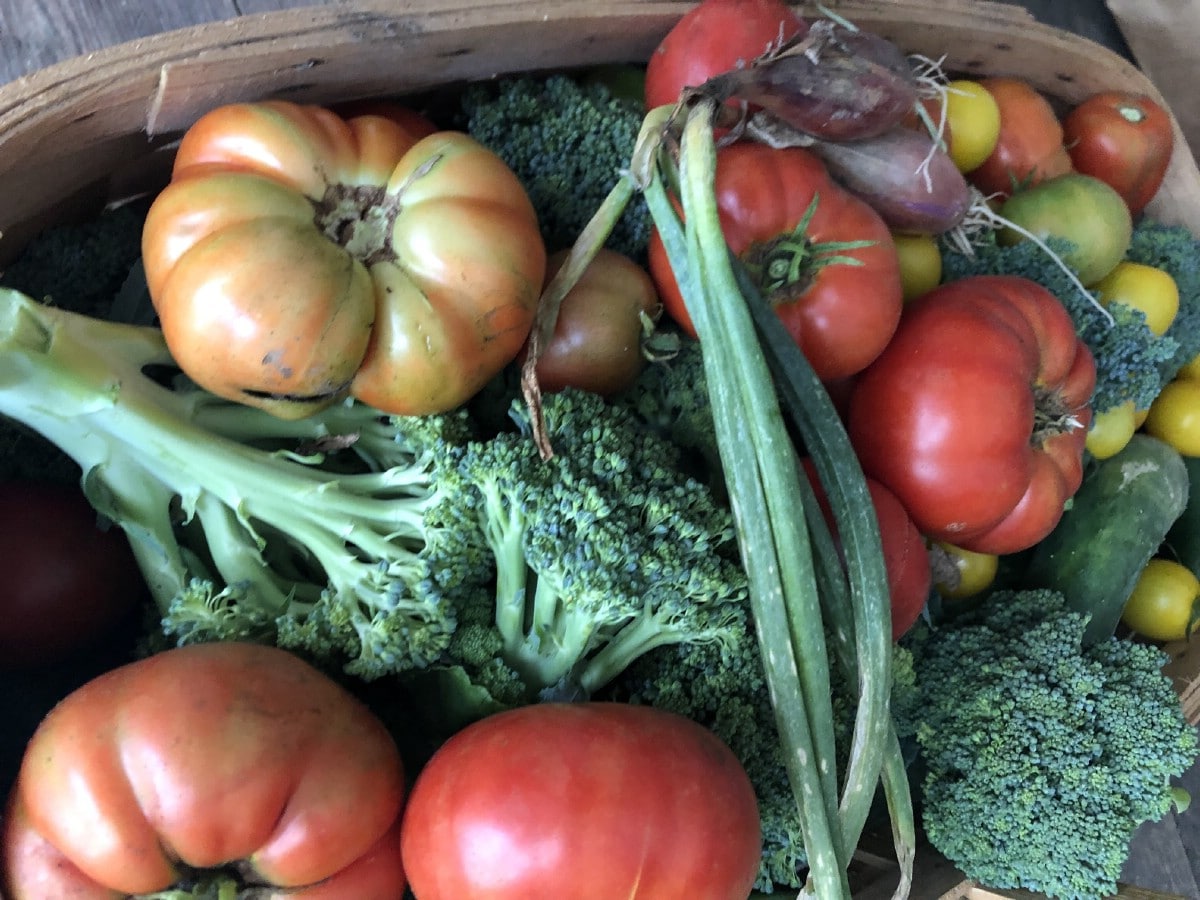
(76,136)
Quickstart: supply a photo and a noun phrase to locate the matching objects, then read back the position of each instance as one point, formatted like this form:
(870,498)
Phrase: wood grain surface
(38,33)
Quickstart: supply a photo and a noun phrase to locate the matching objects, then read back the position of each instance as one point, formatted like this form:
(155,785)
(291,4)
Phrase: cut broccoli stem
(150,467)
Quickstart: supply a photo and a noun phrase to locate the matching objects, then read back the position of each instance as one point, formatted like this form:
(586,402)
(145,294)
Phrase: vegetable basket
(102,127)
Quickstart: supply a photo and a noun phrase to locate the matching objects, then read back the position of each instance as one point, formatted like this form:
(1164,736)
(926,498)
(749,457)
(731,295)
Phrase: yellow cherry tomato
(1139,417)
(920,263)
(973,119)
(1143,287)
(1175,416)
(973,572)
(1191,369)
(1160,607)
(1111,430)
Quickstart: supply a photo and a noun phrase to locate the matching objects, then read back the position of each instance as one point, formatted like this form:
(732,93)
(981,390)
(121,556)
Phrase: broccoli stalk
(1042,755)
(235,540)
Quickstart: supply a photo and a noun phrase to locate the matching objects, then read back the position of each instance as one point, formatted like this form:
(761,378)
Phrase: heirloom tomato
(597,340)
(905,554)
(1174,416)
(976,414)
(1029,147)
(973,123)
(824,259)
(1162,605)
(1079,209)
(1147,288)
(220,759)
(583,800)
(965,573)
(716,36)
(1123,138)
(68,581)
(1112,430)
(297,256)
(920,263)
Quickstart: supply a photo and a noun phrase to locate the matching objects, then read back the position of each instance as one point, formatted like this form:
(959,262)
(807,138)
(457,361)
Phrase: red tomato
(207,756)
(1029,147)
(714,37)
(297,257)
(905,552)
(597,340)
(590,801)
(67,581)
(1124,139)
(977,412)
(840,291)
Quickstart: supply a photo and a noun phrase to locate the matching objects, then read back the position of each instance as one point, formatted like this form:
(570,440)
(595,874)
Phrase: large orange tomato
(824,259)
(976,414)
(297,256)
(231,757)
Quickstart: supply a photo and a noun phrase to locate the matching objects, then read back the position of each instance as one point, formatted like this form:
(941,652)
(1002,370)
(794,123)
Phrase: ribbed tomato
(225,758)
(976,414)
(297,256)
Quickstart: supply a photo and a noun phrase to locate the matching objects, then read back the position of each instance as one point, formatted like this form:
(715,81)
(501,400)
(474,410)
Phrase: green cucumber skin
(1115,523)
(1183,540)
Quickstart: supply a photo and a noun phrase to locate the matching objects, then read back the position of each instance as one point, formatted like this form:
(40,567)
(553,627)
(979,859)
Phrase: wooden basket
(93,128)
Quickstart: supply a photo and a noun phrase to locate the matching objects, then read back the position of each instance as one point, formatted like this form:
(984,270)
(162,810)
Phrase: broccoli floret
(671,397)
(600,554)
(242,524)
(1175,250)
(1042,756)
(80,266)
(567,140)
(1128,355)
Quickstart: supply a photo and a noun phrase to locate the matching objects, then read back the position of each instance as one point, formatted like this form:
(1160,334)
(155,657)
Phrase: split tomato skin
(976,414)
(1123,138)
(584,800)
(716,36)
(844,307)
(297,257)
(203,756)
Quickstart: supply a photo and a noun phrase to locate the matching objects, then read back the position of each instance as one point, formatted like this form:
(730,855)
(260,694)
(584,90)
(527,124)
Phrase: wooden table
(39,33)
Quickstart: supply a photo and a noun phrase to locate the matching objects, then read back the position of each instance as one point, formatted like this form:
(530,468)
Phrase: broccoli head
(1042,756)
(568,140)
(600,554)
(80,266)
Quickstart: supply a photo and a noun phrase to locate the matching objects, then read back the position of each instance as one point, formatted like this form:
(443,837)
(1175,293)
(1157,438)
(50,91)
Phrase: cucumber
(1116,521)
(1183,540)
